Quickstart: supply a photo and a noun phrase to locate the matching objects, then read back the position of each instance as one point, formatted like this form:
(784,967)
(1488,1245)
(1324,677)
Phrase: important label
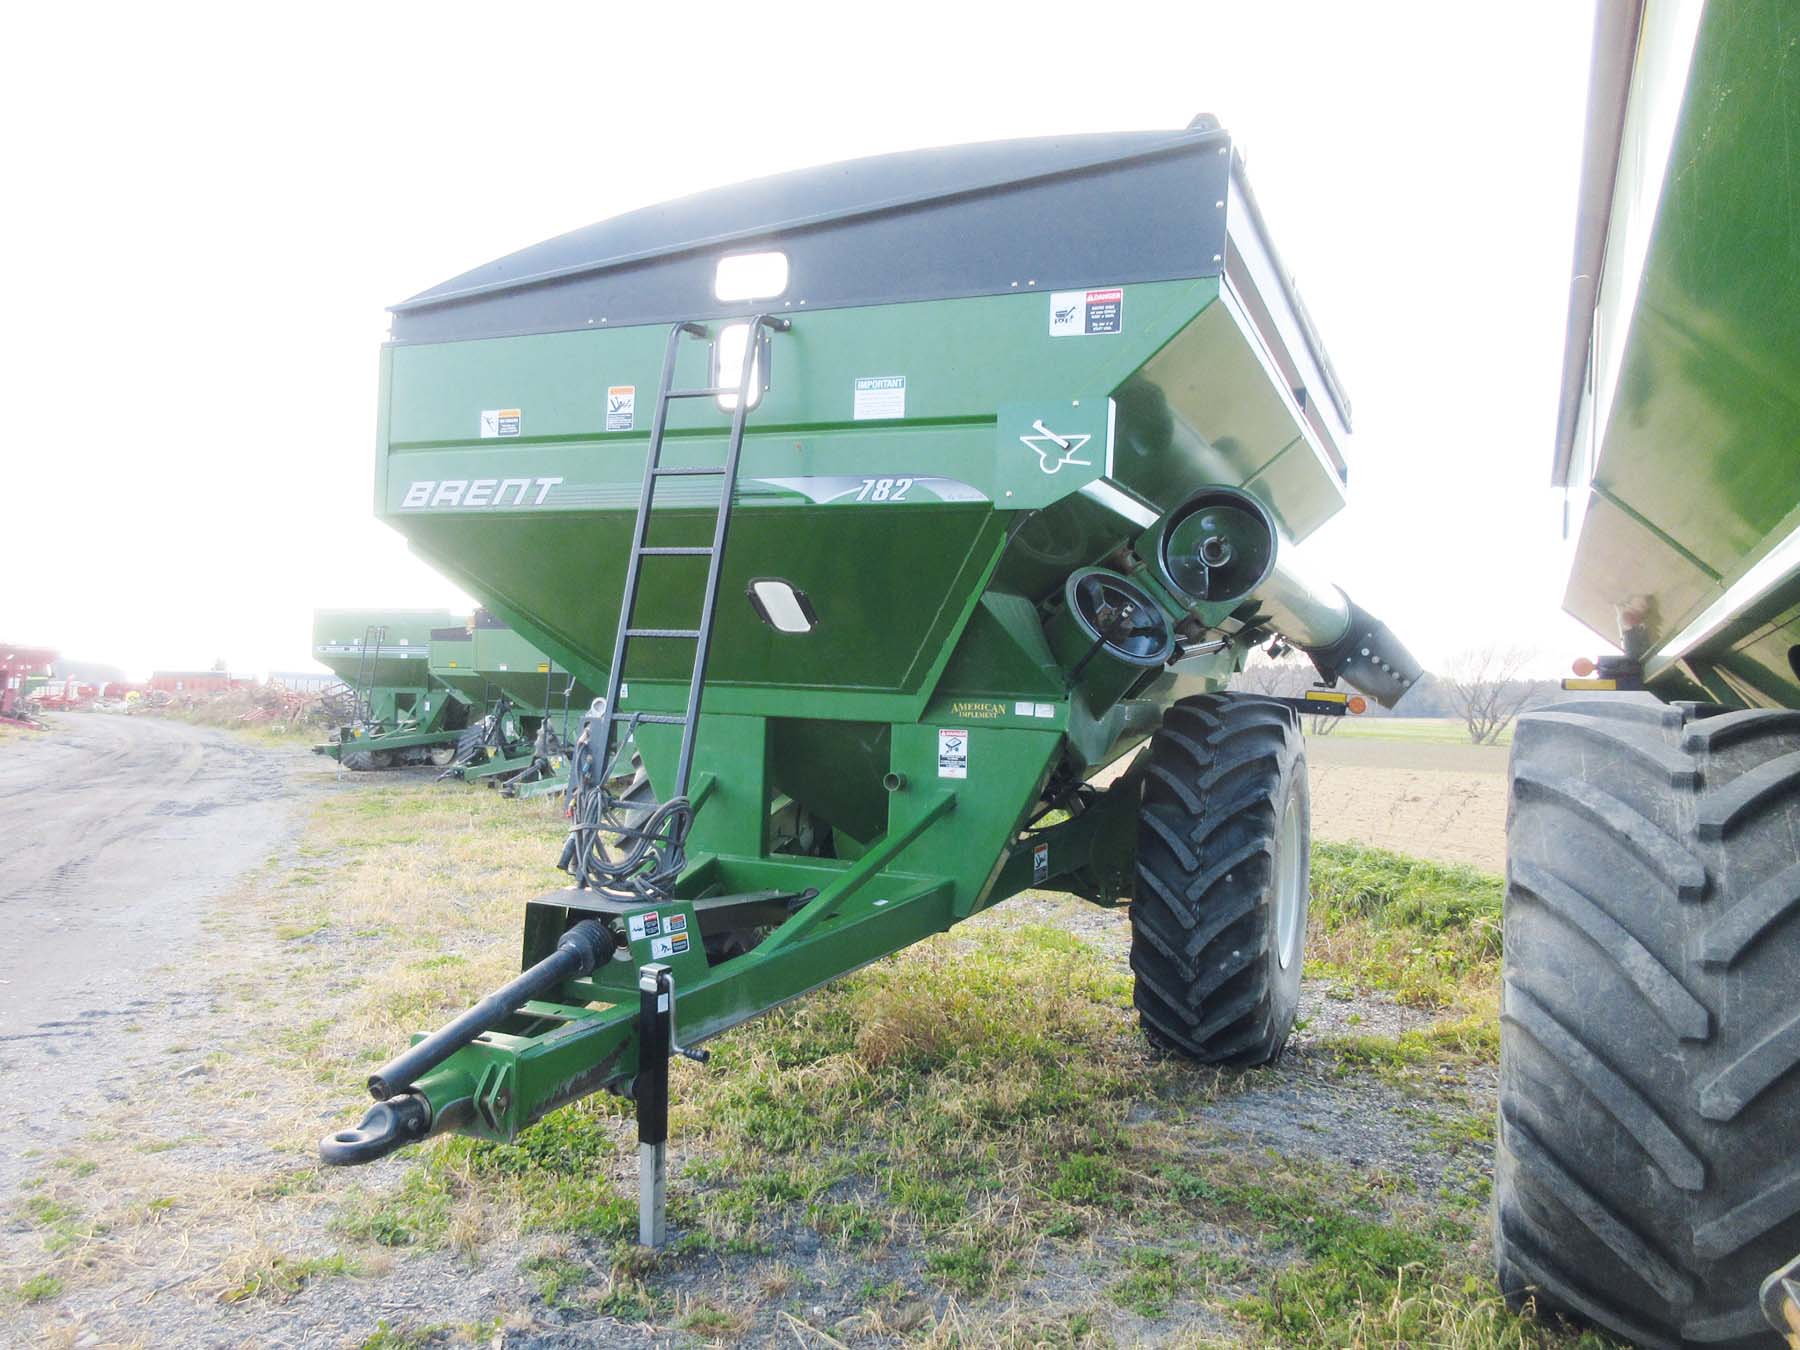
(1034,710)
(953,753)
(1087,313)
(644,926)
(500,422)
(1040,864)
(878,397)
(621,407)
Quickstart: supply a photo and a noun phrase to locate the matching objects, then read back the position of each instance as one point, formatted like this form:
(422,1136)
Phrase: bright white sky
(210,207)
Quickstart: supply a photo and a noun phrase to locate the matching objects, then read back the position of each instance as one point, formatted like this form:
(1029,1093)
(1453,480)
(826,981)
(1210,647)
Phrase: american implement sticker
(621,407)
(977,710)
(1087,313)
(953,752)
(500,422)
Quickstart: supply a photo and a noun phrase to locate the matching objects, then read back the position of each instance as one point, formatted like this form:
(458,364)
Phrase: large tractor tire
(360,760)
(1224,848)
(1648,1175)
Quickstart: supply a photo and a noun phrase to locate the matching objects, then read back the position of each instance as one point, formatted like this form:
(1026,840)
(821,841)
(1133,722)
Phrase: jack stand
(656,1016)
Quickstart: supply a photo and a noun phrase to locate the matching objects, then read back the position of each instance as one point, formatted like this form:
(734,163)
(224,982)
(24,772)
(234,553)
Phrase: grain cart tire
(468,744)
(1648,1170)
(1224,846)
(359,760)
(441,756)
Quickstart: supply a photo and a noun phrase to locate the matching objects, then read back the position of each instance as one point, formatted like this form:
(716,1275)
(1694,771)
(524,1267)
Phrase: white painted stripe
(1120,502)
(1773,569)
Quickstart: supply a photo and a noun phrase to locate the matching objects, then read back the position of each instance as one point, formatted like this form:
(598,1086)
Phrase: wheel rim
(1289,885)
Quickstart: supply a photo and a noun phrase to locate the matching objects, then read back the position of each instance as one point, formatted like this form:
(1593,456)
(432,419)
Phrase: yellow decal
(975,710)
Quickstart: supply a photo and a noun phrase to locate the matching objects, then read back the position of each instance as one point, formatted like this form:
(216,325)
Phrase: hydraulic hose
(652,846)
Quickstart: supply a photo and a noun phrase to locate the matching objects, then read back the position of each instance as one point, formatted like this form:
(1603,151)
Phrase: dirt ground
(116,835)
(186,1202)
(1432,799)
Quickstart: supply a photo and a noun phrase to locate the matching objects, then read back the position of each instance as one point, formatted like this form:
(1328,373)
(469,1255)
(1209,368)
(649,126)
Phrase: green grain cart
(533,706)
(392,710)
(886,503)
(1649,1160)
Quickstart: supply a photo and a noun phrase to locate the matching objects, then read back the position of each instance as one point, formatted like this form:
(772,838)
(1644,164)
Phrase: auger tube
(1344,640)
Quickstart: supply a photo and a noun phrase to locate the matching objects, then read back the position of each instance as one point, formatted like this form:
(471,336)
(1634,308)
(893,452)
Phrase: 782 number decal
(883,489)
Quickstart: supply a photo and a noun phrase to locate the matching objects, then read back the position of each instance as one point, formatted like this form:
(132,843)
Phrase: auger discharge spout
(1222,548)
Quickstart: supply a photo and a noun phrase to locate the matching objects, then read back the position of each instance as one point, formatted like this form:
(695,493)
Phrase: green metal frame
(945,855)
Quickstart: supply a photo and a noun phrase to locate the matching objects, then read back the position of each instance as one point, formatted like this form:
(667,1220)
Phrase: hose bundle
(620,844)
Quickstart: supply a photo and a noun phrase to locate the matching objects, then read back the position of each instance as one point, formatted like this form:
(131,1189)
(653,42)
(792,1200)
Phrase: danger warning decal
(1087,313)
(621,407)
(953,752)
(500,422)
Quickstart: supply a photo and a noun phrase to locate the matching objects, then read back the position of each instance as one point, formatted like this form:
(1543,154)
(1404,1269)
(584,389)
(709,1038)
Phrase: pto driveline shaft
(577,953)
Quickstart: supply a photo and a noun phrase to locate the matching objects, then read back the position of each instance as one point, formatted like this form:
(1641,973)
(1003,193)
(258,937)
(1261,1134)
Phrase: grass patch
(556,1277)
(968,1268)
(38,1288)
(1087,1179)
(1437,730)
(1427,933)
(64,1228)
(1474,1039)
(415,1214)
(262,1273)
(709,1321)
(385,1337)
(1149,1290)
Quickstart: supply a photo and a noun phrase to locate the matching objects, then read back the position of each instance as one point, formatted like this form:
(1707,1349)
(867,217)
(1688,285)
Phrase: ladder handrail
(628,599)
(727,492)
(701,635)
(365,672)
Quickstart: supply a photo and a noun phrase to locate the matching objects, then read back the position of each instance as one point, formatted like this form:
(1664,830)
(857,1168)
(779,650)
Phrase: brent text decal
(432,494)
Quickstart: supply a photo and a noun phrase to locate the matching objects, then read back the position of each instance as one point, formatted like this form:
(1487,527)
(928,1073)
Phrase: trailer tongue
(879,556)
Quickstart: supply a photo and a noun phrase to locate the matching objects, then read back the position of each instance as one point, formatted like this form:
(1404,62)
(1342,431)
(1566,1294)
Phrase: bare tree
(1487,689)
(1289,676)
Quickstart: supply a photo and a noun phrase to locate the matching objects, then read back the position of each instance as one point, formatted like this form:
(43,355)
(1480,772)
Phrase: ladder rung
(718,392)
(686,473)
(662,552)
(662,719)
(662,632)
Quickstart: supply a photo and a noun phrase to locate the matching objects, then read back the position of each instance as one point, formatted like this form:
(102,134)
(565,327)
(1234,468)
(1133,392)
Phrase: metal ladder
(654,471)
(365,672)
